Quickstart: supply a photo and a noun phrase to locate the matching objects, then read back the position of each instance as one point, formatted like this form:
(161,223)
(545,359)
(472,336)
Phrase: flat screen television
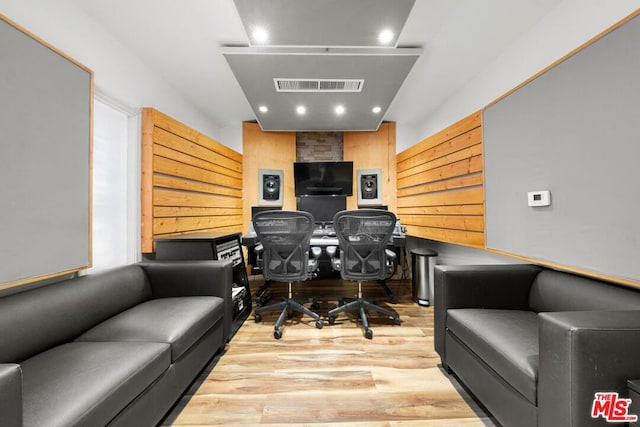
(323,178)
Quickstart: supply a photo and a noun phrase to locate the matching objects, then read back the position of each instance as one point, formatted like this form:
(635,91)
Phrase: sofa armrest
(581,353)
(11,392)
(189,278)
(504,286)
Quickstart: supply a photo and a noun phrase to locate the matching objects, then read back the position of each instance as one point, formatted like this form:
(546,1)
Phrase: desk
(251,239)
(219,246)
(322,240)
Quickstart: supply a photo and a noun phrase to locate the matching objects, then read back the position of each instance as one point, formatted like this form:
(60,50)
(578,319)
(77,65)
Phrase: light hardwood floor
(332,376)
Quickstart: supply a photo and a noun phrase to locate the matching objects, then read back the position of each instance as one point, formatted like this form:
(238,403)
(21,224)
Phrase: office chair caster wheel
(397,321)
(258,318)
(332,320)
(277,334)
(319,324)
(368,333)
(315,305)
(393,300)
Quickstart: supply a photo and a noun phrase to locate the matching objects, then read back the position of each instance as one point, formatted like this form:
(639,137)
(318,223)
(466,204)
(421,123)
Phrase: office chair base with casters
(288,306)
(361,305)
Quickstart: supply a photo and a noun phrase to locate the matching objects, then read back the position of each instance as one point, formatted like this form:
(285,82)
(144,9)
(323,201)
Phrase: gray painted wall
(573,131)
(450,254)
(45,102)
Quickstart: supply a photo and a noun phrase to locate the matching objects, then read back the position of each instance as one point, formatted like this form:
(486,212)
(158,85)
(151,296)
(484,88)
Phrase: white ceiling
(382,74)
(322,39)
(184,42)
(344,23)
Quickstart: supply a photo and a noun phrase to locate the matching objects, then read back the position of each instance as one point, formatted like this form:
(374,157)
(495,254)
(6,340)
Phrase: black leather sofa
(114,348)
(534,345)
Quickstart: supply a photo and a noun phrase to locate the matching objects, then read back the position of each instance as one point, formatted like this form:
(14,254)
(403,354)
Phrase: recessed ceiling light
(300,109)
(260,35)
(376,109)
(339,109)
(385,36)
(263,108)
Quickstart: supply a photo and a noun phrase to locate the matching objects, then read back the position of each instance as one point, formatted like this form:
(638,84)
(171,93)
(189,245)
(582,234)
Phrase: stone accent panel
(319,146)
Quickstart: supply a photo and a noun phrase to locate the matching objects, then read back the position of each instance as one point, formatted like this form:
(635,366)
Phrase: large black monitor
(323,208)
(323,178)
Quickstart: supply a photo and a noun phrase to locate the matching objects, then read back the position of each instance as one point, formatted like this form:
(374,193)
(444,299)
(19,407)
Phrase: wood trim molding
(567,56)
(600,276)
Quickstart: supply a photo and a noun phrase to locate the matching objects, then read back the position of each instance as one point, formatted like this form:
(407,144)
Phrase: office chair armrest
(332,251)
(314,260)
(316,252)
(259,251)
(391,256)
(392,261)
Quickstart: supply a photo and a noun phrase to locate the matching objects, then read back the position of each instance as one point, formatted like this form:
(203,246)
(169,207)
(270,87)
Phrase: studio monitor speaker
(270,187)
(369,187)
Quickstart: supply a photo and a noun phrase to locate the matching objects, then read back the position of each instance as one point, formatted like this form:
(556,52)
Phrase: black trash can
(422,292)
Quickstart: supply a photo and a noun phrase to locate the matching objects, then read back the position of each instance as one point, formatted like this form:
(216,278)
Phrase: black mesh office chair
(285,237)
(363,235)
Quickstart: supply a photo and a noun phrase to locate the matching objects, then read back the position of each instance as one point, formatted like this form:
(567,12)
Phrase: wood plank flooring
(332,376)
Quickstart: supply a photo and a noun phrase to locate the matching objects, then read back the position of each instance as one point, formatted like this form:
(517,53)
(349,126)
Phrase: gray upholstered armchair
(534,345)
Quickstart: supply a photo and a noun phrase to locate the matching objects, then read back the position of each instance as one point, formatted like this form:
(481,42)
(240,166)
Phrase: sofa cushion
(38,319)
(180,322)
(86,383)
(506,340)
(556,291)
(11,395)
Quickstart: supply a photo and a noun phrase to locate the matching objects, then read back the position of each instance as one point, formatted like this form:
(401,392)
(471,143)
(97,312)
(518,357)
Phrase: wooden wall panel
(371,150)
(277,150)
(266,150)
(190,182)
(440,193)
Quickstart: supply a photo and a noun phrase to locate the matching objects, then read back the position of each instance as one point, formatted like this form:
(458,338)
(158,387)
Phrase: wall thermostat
(539,198)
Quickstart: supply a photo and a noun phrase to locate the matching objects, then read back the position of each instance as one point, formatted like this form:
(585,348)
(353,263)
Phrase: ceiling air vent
(318,85)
